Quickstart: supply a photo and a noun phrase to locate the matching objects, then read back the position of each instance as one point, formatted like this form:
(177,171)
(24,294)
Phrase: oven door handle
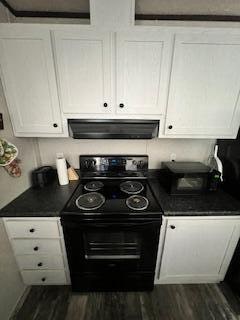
(121,225)
(107,225)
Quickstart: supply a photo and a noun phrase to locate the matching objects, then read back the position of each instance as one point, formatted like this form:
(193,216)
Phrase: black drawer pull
(105,104)
(55,125)
(35,248)
(172,227)
(43,279)
(40,264)
(121,105)
(170,127)
(32,230)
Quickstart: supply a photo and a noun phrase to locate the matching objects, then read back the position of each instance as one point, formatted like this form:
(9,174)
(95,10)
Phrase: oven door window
(111,245)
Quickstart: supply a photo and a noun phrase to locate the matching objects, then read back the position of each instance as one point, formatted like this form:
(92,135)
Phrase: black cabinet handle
(170,127)
(32,230)
(35,248)
(172,227)
(105,104)
(121,105)
(43,279)
(40,264)
(55,125)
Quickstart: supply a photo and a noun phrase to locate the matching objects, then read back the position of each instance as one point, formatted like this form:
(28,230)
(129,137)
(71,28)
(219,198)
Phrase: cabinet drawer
(40,262)
(44,277)
(36,246)
(33,229)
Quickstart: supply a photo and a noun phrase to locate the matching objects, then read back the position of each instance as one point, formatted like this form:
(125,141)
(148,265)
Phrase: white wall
(158,149)
(10,187)
(11,285)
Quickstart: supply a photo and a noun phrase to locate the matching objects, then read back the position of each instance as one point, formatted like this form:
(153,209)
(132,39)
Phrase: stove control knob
(141,164)
(93,163)
(86,163)
(89,163)
(134,162)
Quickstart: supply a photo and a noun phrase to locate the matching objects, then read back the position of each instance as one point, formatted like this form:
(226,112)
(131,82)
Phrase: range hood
(113,129)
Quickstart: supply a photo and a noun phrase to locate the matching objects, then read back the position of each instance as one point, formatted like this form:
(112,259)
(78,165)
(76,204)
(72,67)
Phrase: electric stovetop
(113,197)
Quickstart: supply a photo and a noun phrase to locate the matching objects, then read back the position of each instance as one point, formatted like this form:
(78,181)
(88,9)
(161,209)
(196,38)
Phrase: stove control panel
(113,163)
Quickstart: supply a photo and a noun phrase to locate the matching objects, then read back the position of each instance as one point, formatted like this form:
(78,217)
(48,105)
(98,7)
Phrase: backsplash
(158,149)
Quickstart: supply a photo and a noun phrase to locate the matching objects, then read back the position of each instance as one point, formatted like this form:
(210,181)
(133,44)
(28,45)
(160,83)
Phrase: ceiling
(216,7)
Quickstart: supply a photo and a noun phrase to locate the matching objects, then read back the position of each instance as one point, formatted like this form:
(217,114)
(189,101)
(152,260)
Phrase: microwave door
(190,183)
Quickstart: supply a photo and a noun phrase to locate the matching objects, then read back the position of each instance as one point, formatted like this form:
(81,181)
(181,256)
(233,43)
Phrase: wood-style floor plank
(77,307)
(114,305)
(165,302)
(45,303)
(231,298)
(206,303)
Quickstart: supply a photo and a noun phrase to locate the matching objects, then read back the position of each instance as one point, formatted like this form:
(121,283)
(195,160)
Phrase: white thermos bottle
(62,170)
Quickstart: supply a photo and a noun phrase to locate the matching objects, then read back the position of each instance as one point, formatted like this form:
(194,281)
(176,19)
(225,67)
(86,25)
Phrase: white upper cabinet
(84,68)
(143,65)
(205,83)
(29,81)
(186,77)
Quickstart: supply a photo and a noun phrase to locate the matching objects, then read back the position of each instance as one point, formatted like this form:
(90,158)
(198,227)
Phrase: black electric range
(111,225)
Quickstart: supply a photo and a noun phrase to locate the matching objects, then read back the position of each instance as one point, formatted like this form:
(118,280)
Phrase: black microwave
(185,178)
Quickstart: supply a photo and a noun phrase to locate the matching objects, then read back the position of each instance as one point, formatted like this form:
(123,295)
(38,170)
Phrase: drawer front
(33,229)
(36,246)
(40,262)
(44,277)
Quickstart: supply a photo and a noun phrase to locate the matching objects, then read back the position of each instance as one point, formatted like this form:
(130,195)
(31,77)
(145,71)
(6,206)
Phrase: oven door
(97,246)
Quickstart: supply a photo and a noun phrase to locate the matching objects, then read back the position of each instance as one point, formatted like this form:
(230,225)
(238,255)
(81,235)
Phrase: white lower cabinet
(36,246)
(39,262)
(39,249)
(33,229)
(196,249)
(44,277)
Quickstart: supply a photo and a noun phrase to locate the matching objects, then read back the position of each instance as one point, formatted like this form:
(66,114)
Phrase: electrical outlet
(173,157)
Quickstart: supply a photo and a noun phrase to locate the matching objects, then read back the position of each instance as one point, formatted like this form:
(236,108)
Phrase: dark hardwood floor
(165,302)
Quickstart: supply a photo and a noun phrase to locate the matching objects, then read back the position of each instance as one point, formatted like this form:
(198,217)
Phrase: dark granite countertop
(50,200)
(217,203)
(40,202)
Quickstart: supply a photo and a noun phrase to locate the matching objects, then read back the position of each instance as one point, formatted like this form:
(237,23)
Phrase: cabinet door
(84,70)
(198,250)
(143,62)
(29,80)
(204,87)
